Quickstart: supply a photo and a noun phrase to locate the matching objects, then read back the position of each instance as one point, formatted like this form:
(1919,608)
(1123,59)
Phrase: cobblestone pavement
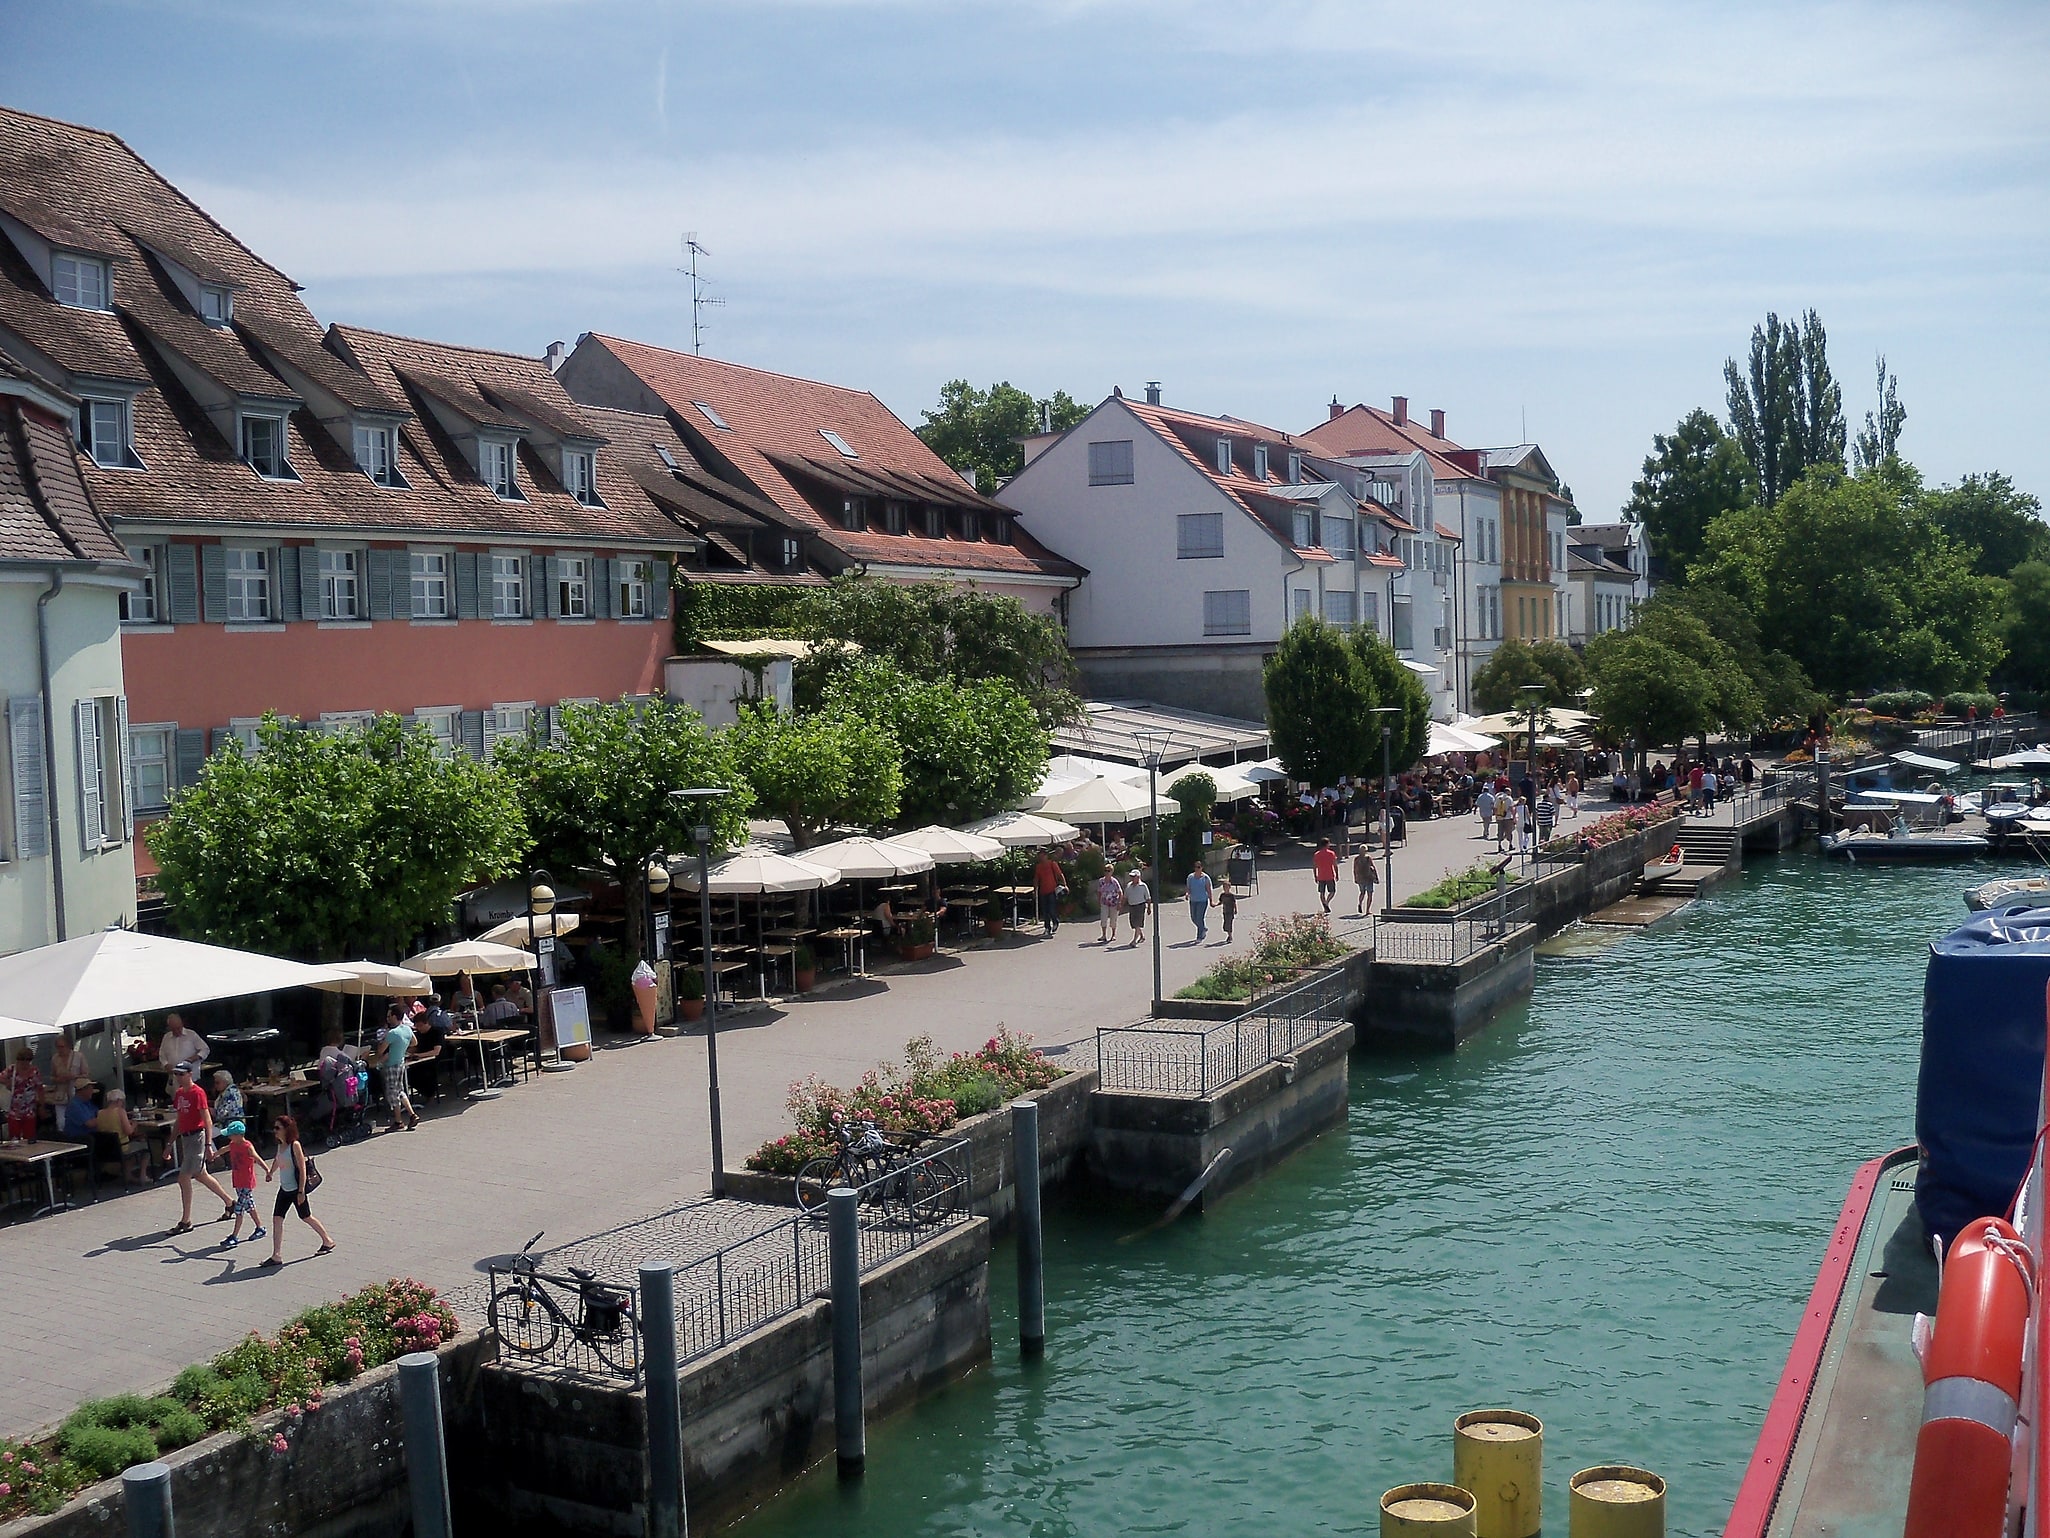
(107,1301)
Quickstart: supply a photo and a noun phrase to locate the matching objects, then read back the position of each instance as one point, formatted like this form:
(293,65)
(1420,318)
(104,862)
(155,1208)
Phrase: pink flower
(6,1489)
(279,1444)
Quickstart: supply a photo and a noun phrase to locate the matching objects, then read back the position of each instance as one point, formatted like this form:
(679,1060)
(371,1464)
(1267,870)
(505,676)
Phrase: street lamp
(702,800)
(541,904)
(1533,695)
(1153,745)
(1387,804)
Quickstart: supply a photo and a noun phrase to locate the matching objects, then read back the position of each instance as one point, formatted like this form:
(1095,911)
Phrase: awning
(1897,797)
(2028,758)
(120,972)
(773,646)
(1424,669)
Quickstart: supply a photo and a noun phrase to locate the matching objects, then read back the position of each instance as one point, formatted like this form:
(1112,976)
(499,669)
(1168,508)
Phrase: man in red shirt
(1694,797)
(193,1137)
(1046,884)
(1324,866)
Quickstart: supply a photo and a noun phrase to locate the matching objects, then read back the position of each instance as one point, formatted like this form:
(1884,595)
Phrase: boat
(1866,845)
(1993,894)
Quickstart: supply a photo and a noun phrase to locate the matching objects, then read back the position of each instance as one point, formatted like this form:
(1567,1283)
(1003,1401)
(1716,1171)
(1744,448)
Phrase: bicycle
(528,1320)
(927,1190)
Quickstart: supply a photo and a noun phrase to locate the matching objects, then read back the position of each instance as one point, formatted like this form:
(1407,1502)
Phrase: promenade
(108,1302)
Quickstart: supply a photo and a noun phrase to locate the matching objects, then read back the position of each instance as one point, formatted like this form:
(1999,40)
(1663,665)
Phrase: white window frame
(335,722)
(247,420)
(145,605)
(444,724)
(109,794)
(1301,528)
(139,762)
(498,466)
(840,444)
(1224,456)
(1341,608)
(580,476)
(117,413)
(1259,461)
(1333,525)
(425,568)
(636,582)
(1227,612)
(377,454)
(235,563)
(1199,536)
(508,598)
(515,719)
(1110,462)
(573,592)
(341,576)
(69,272)
(223,300)
(244,730)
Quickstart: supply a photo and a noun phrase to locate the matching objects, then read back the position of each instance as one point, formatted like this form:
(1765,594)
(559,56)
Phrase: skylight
(838,442)
(668,458)
(713,417)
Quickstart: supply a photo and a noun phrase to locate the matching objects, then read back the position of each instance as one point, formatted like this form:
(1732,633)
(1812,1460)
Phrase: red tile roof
(1370,430)
(46,513)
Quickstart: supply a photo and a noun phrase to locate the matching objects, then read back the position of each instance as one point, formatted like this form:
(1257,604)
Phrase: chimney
(1337,410)
(554,356)
(1402,411)
(1437,424)
(1153,392)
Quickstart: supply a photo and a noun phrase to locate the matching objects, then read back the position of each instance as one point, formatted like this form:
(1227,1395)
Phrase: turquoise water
(1606,1211)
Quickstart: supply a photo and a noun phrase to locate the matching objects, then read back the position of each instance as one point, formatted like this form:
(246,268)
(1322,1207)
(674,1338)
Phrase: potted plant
(690,994)
(917,943)
(993,918)
(806,966)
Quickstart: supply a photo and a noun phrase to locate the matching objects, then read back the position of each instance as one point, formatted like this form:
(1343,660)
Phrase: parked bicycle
(529,1320)
(891,1175)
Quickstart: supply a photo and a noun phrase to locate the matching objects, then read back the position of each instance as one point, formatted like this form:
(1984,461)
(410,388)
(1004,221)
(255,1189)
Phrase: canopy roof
(1113,729)
(2028,758)
(120,972)
(1924,761)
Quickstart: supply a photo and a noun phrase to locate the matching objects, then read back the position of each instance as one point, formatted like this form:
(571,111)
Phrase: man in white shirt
(180,1045)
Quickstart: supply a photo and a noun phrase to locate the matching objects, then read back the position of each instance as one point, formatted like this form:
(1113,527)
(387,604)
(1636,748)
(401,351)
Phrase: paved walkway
(105,1301)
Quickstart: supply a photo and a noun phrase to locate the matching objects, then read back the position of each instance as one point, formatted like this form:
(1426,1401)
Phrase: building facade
(1611,564)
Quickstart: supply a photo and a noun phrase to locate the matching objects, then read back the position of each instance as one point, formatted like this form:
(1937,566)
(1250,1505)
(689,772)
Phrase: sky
(1553,221)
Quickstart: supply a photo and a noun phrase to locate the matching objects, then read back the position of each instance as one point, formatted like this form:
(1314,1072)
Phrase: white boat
(1862,844)
(1981,897)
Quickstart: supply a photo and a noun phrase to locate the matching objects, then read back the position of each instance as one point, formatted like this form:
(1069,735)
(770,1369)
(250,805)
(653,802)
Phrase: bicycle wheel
(620,1351)
(932,1191)
(813,1181)
(523,1323)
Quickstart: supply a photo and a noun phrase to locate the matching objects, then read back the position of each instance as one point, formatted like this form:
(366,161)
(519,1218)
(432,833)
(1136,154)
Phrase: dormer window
(1302,530)
(893,517)
(854,513)
(216,304)
(79,281)
(1259,461)
(1295,469)
(263,446)
(377,455)
(105,433)
(495,467)
(715,419)
(580,477)
(969,522)
(1224,456)
(935,522)
(839,443)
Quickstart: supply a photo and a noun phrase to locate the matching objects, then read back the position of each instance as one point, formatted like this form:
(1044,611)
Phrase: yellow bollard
(1616,1502)
(1499,1455)
(1441,1509)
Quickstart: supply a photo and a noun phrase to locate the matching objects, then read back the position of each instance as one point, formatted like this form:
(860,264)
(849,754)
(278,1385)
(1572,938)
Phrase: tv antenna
(700,301)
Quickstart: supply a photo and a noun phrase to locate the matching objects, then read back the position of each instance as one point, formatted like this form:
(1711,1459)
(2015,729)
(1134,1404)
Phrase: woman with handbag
(298,1178)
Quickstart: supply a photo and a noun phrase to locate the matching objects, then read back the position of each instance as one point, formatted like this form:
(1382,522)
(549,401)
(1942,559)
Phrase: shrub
(104,1451)
(1475,881)
(1898,702)
(1959,705)
(1283,949)
(1608,830)
(36,1480)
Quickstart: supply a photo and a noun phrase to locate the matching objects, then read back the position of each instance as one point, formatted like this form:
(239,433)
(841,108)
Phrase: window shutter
(191,756)
(490,732)
(377,584)
(468,566)
(127,751)
(285,583)
(470,732)
(309,584)
(89,814)
(31,808)
(213,571)
(605,599)
(181,563)
(553,716)
(551,589)
(538,596)
(658,600)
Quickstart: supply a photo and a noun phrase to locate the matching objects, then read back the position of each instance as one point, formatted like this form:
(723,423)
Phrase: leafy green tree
(1318,702)
(2001,525)
(2027,628)
(978,430)
(1735,705)
(1498,684)
(817,770)
(1780,689)
(1786,408)
(326,845)
(1880,438)
(1850,577)
(1394,685)
(1647,693)
(1692,474)
(597,793)
(969,748)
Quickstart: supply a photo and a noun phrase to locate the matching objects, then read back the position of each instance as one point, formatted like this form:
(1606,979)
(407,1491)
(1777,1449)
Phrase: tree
(1786,409)
(325,845)
(2027,628)
(1392,684)
(1498,684)
(1880,439)
(1733,703)
(2000,525)
(597,793)
(1646,692)
(1692,474)
(978,430)
(1318,699)
(1781,690)
(817,770)
(969,748)
(1850,577)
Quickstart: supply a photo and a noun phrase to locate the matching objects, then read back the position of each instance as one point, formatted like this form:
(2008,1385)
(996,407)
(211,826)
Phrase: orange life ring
(1972,1385)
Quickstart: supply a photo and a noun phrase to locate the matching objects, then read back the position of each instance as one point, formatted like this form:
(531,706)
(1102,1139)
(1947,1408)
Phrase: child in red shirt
(243,1161)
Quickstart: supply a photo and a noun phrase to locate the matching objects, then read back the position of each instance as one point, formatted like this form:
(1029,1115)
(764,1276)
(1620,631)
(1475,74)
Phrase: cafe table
(1016,894)
(497,1036)
(846,937)
(45,1153)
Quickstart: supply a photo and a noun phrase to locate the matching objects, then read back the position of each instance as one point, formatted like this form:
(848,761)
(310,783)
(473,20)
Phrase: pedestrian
(243,1160)
(192,1139)
(1694,783)
(1748,770)
(1505,819)
(1227,905)
(1572,795)
(398,1090)
(296,1179)
(1110,897)
(178,1045)
(1709,782)
(1046,888)
(1199,901)
(1137,896)
(1364,877)
(1520,813)
(227,1099)
(24,1095)
(1324,866)
(1547,812)
(1485,802)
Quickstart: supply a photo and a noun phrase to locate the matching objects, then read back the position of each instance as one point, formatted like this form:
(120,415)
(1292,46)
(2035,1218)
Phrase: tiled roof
(775,443)
(1370,430)
(45,512)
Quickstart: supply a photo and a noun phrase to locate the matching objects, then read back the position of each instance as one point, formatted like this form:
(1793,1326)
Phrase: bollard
(146,1492)
(843,1251)
(1499,1455)
(426,1455)
(665,1403)
(1031,1247)
(1426,1508)
(1613,1501)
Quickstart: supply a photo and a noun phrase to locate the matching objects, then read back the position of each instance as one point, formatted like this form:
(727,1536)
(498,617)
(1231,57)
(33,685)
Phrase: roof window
(669,459)
(715,419)
(216,304)
(79,281)
(263,447)
(838,442)
(1224,456)
(1259,461)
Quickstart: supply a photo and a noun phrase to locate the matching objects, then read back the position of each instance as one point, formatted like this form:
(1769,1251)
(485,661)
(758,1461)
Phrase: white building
(1611,575)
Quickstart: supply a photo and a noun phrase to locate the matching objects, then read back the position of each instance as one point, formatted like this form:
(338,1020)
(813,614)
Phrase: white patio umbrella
(1083,766)
(120,972)
(1457,739)
(757,871)
(482,957)
(1024,830)
(376,977)
(514,930)
(868,859)
(950,846)
(1231,782)
(1100,800)
(1266,771)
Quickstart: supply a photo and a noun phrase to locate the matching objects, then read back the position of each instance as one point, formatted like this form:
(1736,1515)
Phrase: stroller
(346,1084)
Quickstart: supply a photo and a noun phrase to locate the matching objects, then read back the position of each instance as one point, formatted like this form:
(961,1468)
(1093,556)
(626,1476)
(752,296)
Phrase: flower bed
(1476,880)
(1610,829)
(1283,949)
(924,1093)
(329,1344)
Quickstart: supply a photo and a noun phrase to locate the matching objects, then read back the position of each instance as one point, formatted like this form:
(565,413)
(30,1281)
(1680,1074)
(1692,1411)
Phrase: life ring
(1972,1385)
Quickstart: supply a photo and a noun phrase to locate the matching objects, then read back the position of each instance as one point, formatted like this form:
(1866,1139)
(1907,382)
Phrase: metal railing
(1196,1060)
(590,1328)
(1442,936)
(1770,794)
(1995,737)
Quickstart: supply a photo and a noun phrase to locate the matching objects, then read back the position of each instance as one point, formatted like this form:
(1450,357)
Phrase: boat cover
(1924,761)
(1982,1063)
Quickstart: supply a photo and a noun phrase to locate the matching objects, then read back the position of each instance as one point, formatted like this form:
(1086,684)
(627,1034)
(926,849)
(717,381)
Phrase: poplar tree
(1786,408)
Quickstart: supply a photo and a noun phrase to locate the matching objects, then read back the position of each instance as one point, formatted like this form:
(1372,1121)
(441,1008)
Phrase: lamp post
(1153,746)
(541,904)
(1387,803)
(1533,695)
(701,835)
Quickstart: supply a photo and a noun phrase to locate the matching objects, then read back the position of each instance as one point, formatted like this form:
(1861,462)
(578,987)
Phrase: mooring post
(146,1492)
(426,1454)
(843,1252)
(666,1518)
(1031,1249)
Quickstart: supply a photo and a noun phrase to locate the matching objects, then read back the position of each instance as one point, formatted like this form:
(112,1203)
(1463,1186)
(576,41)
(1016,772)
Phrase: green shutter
(213,572)
(309,583)
(181,565)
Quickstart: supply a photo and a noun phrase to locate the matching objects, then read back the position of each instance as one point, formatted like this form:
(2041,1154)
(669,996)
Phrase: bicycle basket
(604,1310)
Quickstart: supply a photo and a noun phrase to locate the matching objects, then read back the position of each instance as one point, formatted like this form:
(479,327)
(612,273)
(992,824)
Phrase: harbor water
(1607,1211)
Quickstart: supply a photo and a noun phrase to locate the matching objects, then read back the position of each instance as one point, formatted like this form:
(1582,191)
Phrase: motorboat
(1992,894)
(1900,844)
